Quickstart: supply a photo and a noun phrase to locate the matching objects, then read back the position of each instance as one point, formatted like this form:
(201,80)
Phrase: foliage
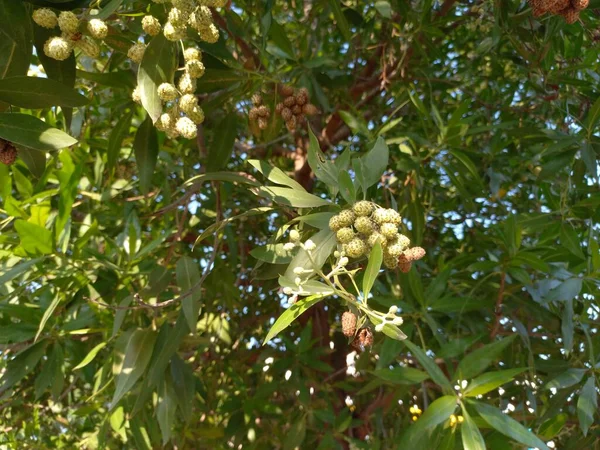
(144,267)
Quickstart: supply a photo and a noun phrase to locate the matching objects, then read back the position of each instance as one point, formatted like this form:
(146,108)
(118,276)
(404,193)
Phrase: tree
(248,224)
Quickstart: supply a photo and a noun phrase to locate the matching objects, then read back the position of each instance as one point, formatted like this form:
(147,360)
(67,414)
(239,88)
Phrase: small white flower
(397,321)
(287,375)
(379,327)
(349,401)
(298,270)
(309,245)
(288,290)
(269,360)
(294,236)
(337,254)
(298,281)
(289,246)
(344,261)
(393,309)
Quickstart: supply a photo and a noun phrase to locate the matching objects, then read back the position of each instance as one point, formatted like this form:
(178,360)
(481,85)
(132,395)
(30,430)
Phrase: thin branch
(498,309)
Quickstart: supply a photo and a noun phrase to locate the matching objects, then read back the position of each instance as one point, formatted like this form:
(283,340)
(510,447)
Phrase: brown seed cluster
(294,107)
(8,152)
(568,9)
(363,339)
(259,112)
(349,323)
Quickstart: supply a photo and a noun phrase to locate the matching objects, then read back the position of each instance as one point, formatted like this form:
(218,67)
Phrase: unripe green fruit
(209,34)
(174,33)
(394,250)
(195,68)
(403,242)
(334,223)
(363,208)
(390,261)
(68,22)
(364,225)
(187,84)
(177,18)
(151,25)
(379,216)
(375,238)
(136,52)
(45,17)
(355,248)
(186,128)
(167,92)
(345,235)
(97,28)
(389,230)
(394,217)
(196,115)
(346,218)
(188,102)
(294,236)
(192,54)
(201,18)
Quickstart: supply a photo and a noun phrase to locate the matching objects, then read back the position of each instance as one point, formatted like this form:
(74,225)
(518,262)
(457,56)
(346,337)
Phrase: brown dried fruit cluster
(8,152)
(363,339)
(294,107)
(259,112)
(349,320)
(568,9)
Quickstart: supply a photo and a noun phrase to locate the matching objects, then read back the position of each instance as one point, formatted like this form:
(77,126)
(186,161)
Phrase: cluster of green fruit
(364,225)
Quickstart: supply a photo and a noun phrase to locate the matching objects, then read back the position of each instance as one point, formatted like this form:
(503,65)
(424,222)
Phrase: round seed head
(187,84)
(97,28)
(136,52)
(173,32)
(151,25)
(334,223)
(310,109)
(88,47)
(363,208)
(355,248)
(286,114)
(346,218)
(349,320)
(45,17)
(8,154)
(345,235)
(187,103)
(375,238)
(58,48)
(364,225)
(196,115)
(389,230)
(195,68)
(390,261)
(192,54)
(186,128)
(209,34)
(68,22)
(167,92)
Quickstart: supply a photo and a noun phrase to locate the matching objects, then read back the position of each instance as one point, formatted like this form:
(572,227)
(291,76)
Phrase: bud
(58,48)
(151,25)
(294,236)
(309,245)
(298,270)
(97,28)
(289,246)
(288,290)
(186,128)
(344,261)
(136,52)
(68,22)
(167,92)
(8,153)
(192,54)
(45,17)
(379,327)
(393,309)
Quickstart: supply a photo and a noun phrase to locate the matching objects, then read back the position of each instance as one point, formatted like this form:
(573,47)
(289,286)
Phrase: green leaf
(478,360)
(31,132)
(184,386)
(570,240)
(438,412)
(16,39)
(138,351)
(157,67)
(401,375)
(165,410)
(374,163)
(568,378)
(552,427)
(356,125)
(35,93)
(347,188)
(90,356)
(309,287)
(274,174)
(278,35)
(491,380)
(430,366)
(384,8)
(47,314)
(340,19)
(468,165)
(587,404)
(118,133)
(372,270)
(35,240)
(291,197)
(222,145)
(508,426)
(291,314)
(566,291)
(145,147)
(168,341)
(33,159)
(219,225)
(325,243)
(566,326)
(188,279)
(295,435)
(118,79)
(22,365)
(471,437)
(324,170)
(18,270)
(272,253)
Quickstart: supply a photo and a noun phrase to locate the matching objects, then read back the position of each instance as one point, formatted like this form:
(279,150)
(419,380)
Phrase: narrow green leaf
(324,170)
(340,19)
(291,314)
(35,239)
(478,360)
(568,378)
(325,243)
(188,279)
(275,175)
(566,291)
(219,225)
(47,314)
(18,270)
(22,365)
(566,326)
(508,426)
(292,197)
(355,124)
(121,314)
(491,380)
(184,386)
(222,145)
(138,351)
(165,410)
(157,67)
(33,159)
(16,40)
(375,163)
(347,187)
(570,240)
(587,404)
(31,132)
(438,412)
(145,147)
(295,435)
(401,375)
(372,270)
(36,93)
(430,366)
(118,133)
(471,437)
(168,341)
(90,356)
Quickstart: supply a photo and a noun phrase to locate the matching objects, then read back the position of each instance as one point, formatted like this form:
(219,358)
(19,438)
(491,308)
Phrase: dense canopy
(324,224)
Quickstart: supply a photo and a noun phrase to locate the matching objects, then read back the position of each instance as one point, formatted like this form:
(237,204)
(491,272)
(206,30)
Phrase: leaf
(551,427)
(324,170)
(372,270)
(325,243)
(568,378)
(272,253)
(374,163)
(219,225)
(468,165)
(570,240)
(168,341)
(566,326)
(157,67)
(31,132)
(275,174)
(279,37)
(188,280)
(295,435)
(35,239)
(309,287)
(138,351)
(18,270)
(291,197)
(356,125)
(478,360)
(145,147)
(33,159)
(384,8)
(115,140)
(90,356)
(471,437)
(16,40)
(491,380)
(587,403)
(222,144)
(340,19)
(36,93)
(291,314)
(430,366)
(566,291)
(118,79)
(47,314)
(401,375)
(184,386)
(347,187)
(438,412)
(22,365)
(165,410)
(508,426)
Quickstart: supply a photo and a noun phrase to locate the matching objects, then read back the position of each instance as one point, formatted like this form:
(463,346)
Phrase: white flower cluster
(193,13)
(61,47)
(390,317)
